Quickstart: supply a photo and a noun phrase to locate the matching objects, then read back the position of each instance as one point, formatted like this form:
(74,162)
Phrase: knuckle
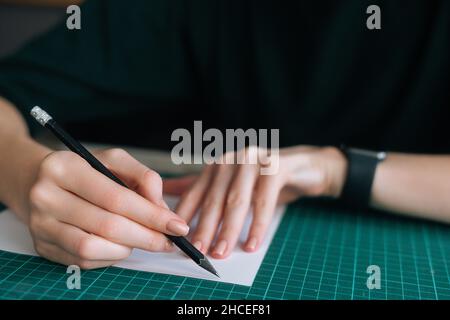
(39,196)
(84,248)
(210,203)
(153,219)
(109,227)
(54,165)
(152,177)
(153,243)
(115,202)
(260,203)
(235,200)
(35,194)
(116,153)
(40,248)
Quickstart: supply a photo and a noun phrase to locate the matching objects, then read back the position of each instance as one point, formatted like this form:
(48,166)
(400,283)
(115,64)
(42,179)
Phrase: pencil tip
(205,264)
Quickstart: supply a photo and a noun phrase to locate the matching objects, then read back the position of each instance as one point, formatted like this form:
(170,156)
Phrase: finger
(191,199)
(58,255)
(178,186)
(112,227)
(237,206)
(212,207)
(138,177)
(264,204)
(78,242)
(77,176)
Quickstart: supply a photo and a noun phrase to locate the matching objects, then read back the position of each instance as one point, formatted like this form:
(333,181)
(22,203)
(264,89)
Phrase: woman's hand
(224,193)
(79,216)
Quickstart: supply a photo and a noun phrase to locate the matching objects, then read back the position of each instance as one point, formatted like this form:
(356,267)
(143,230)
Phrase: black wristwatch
(362,165)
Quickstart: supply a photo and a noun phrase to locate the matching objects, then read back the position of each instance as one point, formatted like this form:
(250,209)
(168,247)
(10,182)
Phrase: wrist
(336,165)
(18,169)
(360,175)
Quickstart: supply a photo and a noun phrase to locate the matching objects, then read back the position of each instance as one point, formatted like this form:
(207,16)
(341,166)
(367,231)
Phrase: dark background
(416,125)
(19,23)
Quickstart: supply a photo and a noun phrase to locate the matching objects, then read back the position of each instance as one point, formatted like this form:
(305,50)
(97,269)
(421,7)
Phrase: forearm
(414,184)
(19,158)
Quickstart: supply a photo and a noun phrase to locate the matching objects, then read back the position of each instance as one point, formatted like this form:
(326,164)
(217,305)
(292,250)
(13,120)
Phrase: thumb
(138,177)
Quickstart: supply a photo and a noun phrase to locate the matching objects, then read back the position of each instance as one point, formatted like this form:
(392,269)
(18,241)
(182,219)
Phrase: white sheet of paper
(240,268)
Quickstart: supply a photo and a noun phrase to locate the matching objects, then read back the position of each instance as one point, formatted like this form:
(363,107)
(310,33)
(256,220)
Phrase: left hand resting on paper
(224,193)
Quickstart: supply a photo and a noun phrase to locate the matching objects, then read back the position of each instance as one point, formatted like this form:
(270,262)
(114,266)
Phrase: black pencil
(47,121)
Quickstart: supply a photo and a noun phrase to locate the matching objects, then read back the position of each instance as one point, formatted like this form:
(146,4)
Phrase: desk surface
(316,253)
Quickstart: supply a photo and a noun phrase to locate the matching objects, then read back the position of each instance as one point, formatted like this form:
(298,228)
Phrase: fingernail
(198,245)
(177,227)
(251,244)
(220,247)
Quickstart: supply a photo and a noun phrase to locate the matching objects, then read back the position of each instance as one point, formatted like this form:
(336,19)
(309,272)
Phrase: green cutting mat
(317,253)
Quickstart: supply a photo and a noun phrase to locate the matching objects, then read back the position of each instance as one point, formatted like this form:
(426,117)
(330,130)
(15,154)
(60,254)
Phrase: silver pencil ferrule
(40,115)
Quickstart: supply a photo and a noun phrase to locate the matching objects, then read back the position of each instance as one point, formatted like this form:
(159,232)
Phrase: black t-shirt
(139,69)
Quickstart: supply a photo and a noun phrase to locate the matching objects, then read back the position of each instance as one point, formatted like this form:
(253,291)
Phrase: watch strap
(362,165)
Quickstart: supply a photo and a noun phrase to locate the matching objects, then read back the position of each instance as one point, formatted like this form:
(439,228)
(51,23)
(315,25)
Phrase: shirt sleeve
(125,57)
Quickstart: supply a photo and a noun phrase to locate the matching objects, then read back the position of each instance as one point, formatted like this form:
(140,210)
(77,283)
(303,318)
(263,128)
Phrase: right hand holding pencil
(79,216)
